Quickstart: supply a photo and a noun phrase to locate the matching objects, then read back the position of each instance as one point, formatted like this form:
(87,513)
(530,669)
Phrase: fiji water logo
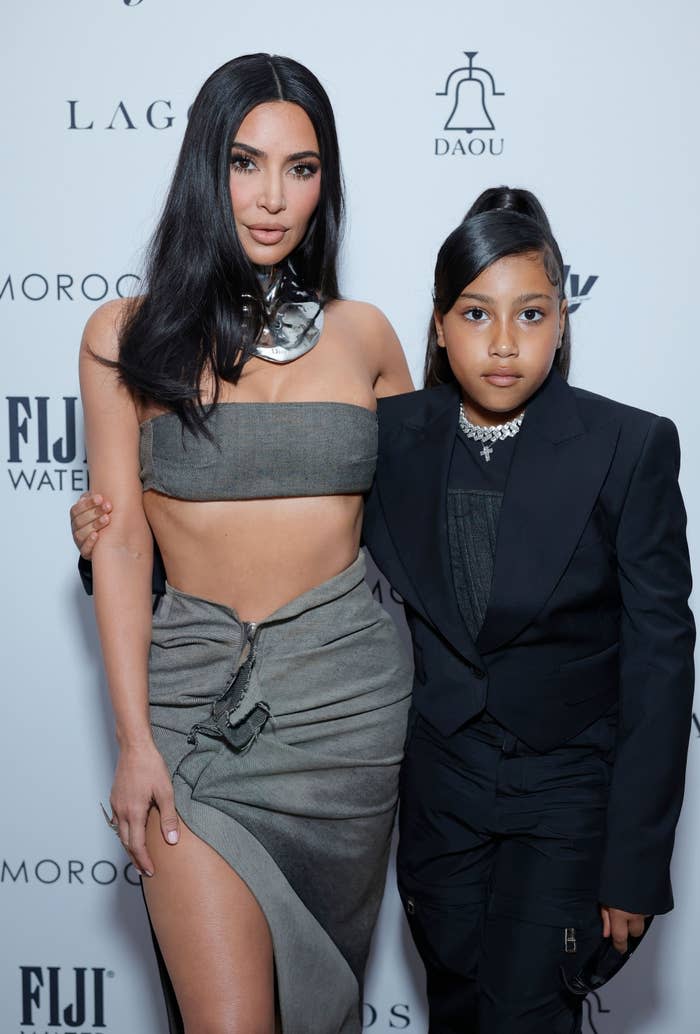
(45,447)
(578,289)
(470,123)
(55,997)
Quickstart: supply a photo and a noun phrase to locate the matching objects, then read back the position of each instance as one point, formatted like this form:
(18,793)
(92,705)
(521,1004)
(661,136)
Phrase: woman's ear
(437,319)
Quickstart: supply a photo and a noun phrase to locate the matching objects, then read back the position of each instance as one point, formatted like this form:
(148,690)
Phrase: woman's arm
(88,517)
(122,564)
(393,376)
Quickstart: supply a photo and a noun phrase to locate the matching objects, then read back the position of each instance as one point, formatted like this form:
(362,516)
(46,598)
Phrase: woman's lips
(267,234)
(502,380)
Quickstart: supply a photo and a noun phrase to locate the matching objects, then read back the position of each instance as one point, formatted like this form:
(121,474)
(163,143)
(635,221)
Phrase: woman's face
(275,180)
(501,336)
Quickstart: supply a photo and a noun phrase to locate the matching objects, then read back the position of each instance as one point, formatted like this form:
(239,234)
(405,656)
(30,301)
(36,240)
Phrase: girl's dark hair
(502,221)
(511,199)
(198,313)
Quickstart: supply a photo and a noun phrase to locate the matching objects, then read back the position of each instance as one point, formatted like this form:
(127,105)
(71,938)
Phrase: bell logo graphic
(470,90)
(469,113)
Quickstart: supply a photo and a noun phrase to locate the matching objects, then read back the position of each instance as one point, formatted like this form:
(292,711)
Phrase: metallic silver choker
(294,317)
(479,433)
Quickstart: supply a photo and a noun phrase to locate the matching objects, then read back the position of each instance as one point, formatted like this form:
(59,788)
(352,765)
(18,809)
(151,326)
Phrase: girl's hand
(140,781)
(87,518)
(619,924)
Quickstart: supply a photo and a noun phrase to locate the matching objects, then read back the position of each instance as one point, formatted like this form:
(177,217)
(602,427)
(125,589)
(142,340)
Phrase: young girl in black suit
(537,535)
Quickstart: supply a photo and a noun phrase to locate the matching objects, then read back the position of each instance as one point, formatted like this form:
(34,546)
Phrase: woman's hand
(140,781)
(87,518)
(619,924)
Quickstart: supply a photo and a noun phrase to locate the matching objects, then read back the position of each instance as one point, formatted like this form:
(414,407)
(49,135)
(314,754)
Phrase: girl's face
(501,336)
(275,180)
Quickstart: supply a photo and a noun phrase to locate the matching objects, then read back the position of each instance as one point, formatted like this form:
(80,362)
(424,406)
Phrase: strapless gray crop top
(262,450)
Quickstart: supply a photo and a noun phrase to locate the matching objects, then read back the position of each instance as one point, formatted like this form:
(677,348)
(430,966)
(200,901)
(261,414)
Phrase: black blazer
(588,609)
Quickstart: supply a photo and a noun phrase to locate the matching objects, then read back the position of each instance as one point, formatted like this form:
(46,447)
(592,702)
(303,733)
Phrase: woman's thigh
(213,935)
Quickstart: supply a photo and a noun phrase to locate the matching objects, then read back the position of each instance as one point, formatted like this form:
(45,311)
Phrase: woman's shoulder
(366,328)
(362,319)
(102,330)
(352,309)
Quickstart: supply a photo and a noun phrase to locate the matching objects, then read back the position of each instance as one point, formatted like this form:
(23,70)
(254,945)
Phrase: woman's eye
(476,315)
(304,170)
(532,315)
(242,163)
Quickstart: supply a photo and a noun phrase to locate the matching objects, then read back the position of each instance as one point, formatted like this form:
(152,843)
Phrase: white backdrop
(594,109)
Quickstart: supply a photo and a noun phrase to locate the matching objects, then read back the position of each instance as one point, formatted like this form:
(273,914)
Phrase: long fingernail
(172,836)
(147,872)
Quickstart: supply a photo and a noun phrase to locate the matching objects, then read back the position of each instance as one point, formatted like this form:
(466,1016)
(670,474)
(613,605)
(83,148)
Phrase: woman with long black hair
(230,414)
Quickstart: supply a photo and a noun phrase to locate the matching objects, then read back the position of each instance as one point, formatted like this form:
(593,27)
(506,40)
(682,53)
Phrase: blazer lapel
(412,480)
(558,468)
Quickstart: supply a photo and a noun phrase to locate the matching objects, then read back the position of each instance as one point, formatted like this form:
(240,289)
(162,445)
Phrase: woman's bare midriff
(254,555)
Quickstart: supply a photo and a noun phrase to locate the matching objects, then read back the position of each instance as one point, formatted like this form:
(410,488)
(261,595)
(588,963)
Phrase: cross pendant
(486,452)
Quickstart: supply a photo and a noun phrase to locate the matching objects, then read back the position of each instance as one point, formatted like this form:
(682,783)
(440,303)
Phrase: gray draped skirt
(284,741)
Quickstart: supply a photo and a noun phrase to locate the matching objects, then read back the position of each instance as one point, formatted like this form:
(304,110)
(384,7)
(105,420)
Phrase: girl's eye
(242,163)
(532,315)
(475,315)
(304,170)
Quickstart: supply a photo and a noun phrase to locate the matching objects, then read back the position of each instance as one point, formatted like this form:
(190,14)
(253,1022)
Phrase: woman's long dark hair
(502,221)
(191,318)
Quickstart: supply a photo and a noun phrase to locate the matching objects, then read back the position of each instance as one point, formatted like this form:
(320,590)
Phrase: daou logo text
(470,125)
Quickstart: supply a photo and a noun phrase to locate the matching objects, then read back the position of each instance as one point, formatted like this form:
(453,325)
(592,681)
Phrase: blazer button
(479,673)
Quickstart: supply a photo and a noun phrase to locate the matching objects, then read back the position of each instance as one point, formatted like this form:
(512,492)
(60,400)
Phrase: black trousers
(499,858)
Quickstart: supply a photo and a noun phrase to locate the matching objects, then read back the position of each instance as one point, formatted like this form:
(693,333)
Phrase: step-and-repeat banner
(593,106)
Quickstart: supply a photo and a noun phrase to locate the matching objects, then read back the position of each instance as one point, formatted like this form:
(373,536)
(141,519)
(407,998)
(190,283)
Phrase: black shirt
(477,480)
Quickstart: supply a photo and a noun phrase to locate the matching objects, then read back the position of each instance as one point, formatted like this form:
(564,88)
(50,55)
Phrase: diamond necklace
(479,433)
